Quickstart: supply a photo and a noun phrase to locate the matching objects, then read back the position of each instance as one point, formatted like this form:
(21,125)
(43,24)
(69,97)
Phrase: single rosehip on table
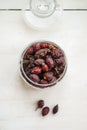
(55,109)
(45,111)
(40,104)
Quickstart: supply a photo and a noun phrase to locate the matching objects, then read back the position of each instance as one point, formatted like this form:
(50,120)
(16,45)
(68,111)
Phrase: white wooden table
(17,103)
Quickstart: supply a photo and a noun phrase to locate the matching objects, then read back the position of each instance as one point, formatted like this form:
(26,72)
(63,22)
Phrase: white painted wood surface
(17,103)
(19,4)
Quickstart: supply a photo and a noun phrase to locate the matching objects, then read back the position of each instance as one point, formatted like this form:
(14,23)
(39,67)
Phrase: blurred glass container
(42,14)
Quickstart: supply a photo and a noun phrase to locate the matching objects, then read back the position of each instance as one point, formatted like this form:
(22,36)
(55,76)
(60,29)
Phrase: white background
(17,103)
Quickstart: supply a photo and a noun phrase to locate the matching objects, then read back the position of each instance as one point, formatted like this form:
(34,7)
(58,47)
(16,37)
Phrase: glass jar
(43,8)
(42,14)
(32,83)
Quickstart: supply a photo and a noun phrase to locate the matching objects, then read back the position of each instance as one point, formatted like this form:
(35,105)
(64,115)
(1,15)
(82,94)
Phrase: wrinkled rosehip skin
(60,61)
(48,76)
(50,61)
(34,78)
(45,68)
(41,53)
(45,111)
(43,81)
(56,53)
(36,70)
(39,62)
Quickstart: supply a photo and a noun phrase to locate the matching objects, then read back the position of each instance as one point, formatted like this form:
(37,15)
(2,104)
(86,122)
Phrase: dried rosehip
(45,111)
(36,47)
(57,70)
(50,61)
(44,67)
(39,62)
(61,68)
(41,53)
(56,53)
(55,109)
(60,61)
(40,104)
(51,46)
(36,70)
(30,51)
(35,78)
(43,81)
(53,79)
(48,76)
(44,45)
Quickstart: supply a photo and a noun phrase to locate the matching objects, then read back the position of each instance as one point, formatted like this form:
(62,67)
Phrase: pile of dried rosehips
(43,63)
(46,109)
